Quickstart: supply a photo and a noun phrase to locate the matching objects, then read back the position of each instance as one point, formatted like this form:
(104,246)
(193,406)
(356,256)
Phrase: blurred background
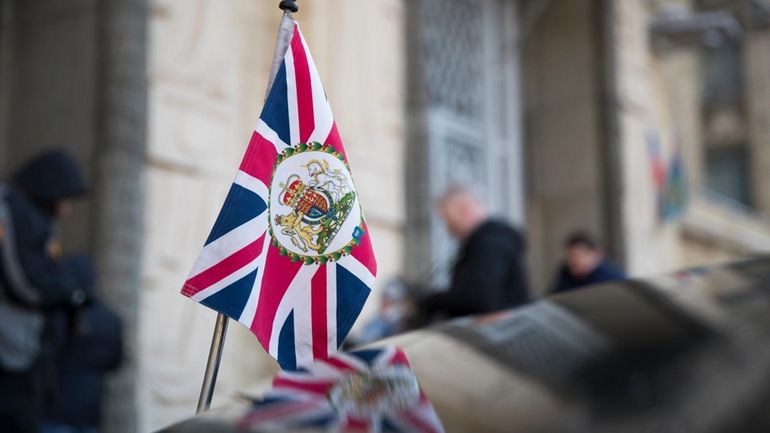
(646,122)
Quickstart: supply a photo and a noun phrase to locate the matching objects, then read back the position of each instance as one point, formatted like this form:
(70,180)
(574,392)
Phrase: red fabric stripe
(364,252)
(335,140)
(224,268)
(356,425)
(399,358)
(318,313)
(259,158)
(304,88)
(339,364)
(279,272)
(314,388)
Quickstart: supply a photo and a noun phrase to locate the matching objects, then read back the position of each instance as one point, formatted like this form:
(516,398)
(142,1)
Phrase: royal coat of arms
(315,215)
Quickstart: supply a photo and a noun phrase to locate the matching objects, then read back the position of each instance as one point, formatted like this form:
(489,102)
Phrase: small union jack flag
(290,255)
(359,391)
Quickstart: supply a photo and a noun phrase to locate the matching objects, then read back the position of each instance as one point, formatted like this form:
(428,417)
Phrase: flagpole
(220,328)
(212,366)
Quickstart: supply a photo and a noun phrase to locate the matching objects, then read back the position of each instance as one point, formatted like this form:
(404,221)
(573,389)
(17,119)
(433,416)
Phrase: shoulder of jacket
(23,212)
(499,231)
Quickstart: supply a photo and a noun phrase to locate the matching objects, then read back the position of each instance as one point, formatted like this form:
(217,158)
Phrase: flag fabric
(359,391)
(290,255)
(670,181)
(673,196)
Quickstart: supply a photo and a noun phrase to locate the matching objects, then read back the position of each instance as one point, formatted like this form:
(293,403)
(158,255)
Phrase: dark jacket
(33,284)
(488,274)
(95,348)
(31,200)
(606,271)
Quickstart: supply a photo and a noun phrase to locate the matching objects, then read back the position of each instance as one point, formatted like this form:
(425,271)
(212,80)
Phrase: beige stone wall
(209,61)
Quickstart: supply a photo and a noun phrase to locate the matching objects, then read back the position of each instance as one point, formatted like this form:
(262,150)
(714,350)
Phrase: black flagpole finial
(289,6)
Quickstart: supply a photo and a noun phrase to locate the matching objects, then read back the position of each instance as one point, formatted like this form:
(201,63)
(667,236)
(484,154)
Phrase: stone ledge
(717,221)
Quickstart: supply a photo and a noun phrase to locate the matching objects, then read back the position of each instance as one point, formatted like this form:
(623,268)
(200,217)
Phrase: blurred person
(35,284)
(391,318)
(94,348)
(488,273)
(584,264)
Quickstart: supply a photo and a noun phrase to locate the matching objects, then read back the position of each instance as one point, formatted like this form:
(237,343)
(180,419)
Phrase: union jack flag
(290,255)
(309,399)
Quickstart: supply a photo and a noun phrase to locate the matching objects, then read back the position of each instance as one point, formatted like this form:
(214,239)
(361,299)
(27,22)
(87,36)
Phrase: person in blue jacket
(584,265)
(35,283)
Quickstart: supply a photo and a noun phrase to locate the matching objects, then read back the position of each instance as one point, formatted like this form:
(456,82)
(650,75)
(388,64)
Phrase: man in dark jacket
(488,273)
(585,264)
(34,283)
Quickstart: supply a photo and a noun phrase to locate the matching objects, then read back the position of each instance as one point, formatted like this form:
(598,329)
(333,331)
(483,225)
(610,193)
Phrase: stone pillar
(608,107)
(6,45)
(757,59)
(122,53)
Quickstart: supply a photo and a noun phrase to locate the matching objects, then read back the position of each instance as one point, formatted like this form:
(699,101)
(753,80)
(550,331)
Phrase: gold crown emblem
(293,193)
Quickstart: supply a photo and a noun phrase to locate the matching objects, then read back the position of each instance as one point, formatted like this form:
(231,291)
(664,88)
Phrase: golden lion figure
(302,237)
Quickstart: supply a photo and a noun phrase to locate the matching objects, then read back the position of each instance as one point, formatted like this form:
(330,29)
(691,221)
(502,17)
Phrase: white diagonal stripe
(358,269)
(291,98)
(252,184)
(384,358)
(303,320)
(304,377)
(321,109)
(324,370)
(268,134)
(230,243)
(331,307)
(295,294)
(224,282)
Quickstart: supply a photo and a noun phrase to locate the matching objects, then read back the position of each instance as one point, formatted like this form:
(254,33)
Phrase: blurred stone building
(645,122)
(617,94)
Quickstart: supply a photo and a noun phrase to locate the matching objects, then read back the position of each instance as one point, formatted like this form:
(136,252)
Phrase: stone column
(6,45)
(757,59)
(122,55)
(608,36)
